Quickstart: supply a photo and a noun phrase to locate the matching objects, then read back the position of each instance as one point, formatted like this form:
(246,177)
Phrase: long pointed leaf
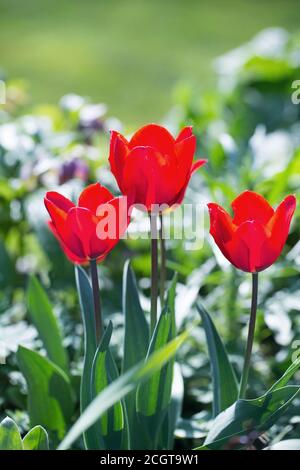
(121,387)
(87,312)
(50,399)
(36,439)
(225,386)
(10,438)
(136,343)
(45,322)
(104,372)
(247,416)
(154,395)
(136,325)
(286,376)
(168,426)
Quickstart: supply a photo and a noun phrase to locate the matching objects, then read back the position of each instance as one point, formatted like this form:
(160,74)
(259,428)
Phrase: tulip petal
(152,175)
(94,195)
(251,206)
(185,151)
(67,237)
(198,164)
(240,245)
(180,196)
(99,234)
(279,226)
(221,227)
(73,257)
(59,201)
(59,221)
(117,155)
(118,220)
(154,136)
(245,247)
(185,133)
(84,225)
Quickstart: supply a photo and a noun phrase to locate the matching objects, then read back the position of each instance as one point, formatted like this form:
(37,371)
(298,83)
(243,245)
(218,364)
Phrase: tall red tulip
(78,227)
(254,238)
(153,166)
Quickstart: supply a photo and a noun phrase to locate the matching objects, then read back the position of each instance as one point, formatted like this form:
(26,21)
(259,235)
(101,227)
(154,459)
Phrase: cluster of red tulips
(153,170)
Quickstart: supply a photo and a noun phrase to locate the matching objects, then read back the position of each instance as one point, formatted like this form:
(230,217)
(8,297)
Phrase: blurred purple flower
(75,168)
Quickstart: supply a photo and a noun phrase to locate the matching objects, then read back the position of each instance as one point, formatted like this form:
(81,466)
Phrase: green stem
(97,303)
(245,373)
(162,261)
(154,271)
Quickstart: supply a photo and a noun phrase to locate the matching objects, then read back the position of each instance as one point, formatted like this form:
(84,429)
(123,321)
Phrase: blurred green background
(149,61)
(128,54)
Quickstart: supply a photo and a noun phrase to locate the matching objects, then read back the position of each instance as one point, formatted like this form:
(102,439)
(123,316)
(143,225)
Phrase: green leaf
(286,376)
(10,438)
(225,386)
(170,303)
(136,325)
(136,343)
(167,434)
(6,268)
(104,371)
(50,400)
(90,345)
(154,395)
(246,416)
(121,387)
(288,444)
(45,322)
(36,439)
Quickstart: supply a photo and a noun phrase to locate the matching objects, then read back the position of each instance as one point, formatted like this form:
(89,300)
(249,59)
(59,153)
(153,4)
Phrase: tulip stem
(154,271)
(251,330)
(97,303)
(162,261)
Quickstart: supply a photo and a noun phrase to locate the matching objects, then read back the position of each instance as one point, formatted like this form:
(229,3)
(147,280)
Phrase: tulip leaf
(45,321)
(166,438)
(154,395)
(288,444)
(167,434)
(288,374)
(7,271)
(10,438)
(136,343)
(50,400)
(246,417)
(118,389)
(136,325)
(87,311)
(36,439)
(225,386)
(104,371)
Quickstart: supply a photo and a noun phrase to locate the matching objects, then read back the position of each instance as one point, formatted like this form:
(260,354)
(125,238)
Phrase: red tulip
(254,238)
(92,228)
(154,167)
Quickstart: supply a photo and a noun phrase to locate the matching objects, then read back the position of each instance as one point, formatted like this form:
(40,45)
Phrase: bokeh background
(129,54)
(75,69)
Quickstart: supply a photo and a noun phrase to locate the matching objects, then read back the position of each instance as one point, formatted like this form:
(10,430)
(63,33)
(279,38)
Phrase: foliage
(249,130)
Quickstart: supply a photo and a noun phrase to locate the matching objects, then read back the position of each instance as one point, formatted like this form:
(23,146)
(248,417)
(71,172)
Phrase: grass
(127,53)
